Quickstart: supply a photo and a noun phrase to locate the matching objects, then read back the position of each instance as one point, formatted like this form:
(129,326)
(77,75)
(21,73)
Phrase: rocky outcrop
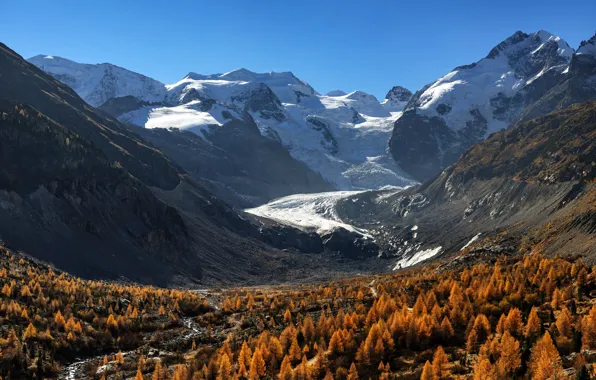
(421,145)
(259,98)
(284,237)
(349,244)
(118,106)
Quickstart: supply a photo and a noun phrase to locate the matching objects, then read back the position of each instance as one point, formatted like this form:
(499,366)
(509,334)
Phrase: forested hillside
(517,316)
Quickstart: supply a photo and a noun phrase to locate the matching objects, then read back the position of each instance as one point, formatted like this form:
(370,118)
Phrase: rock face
(473,101)
(349,244)
(287,237)
(61,198)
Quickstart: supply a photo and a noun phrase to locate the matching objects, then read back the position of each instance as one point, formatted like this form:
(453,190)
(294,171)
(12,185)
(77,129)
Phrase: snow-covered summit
(475,100)
(487,84)
(287,87)
(341,136)
(100,82)
(399,94)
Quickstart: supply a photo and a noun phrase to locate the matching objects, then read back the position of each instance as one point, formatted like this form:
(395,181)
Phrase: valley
(243,225)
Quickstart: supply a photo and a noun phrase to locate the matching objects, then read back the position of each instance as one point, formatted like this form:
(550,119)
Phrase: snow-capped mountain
(99,83)
(463,107)
(341,136)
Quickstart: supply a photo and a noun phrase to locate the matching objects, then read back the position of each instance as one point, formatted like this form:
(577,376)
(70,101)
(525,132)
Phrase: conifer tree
(545,361)
(510,359)
(534,325)
(257,365)
(440,362)
(353,374)
(427,371)
(484,370)
(285,372)
(589,330)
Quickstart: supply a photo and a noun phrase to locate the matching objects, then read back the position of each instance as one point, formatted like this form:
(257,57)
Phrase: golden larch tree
(440,362)
(545,362)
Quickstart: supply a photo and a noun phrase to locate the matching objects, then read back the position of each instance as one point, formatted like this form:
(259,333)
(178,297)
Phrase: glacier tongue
(308,211)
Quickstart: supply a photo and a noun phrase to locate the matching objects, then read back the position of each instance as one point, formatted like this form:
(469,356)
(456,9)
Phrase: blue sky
(349,45)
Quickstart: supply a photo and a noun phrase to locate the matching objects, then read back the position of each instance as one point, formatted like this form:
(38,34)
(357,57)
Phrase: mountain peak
(515,38)
(399,94)
(239,73)
(588,47)
(535,42)
(44,59)
(361,95)
(195,76)
(246,75)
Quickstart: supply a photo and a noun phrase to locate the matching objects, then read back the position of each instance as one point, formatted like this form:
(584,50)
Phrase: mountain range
(341,139)
(149,182)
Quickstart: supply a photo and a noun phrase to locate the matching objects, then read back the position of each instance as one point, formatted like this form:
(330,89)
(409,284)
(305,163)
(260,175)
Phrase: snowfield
(308,212)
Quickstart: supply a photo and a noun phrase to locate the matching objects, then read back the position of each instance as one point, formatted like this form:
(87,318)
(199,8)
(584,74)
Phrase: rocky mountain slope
(530,187)
(340,137)
(448,116)
(237,163)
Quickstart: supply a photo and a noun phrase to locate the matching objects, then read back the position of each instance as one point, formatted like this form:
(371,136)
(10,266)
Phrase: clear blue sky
(365,45)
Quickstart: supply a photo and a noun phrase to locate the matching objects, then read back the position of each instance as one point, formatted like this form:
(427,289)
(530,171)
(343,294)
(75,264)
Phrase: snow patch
(471,241)
(417,257)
